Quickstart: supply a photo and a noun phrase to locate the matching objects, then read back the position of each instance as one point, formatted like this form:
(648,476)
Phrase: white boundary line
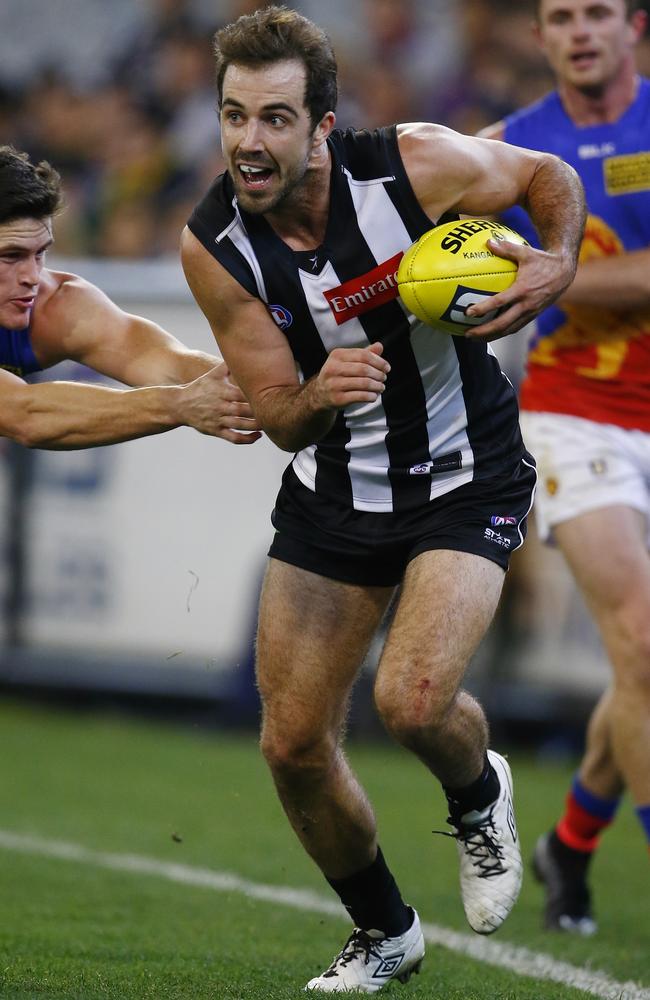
(522,961)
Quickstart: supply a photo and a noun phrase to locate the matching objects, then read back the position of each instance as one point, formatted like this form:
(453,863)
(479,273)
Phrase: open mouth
(582,59)
(254,177)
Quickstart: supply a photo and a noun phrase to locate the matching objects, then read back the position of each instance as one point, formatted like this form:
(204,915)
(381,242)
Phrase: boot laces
(481,843)
(358,945)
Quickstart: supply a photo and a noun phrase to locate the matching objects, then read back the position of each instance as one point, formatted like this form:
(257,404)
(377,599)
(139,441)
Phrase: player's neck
(301,220)
(600,106)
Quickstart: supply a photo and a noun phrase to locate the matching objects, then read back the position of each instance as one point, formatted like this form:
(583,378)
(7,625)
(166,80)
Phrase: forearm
(556,203)
(66,415)
(292,416)
(620,282)
(169,367)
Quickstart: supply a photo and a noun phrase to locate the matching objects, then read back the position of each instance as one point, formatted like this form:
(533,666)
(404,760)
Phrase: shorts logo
(366,292)
(420,470)
(498,519)
(497,538)
(282,316)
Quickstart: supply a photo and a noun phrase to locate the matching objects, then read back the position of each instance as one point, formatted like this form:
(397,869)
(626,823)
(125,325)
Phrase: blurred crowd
(127,110)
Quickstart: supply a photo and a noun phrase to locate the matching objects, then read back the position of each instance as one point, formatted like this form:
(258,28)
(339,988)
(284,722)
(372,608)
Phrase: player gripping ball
(451,268)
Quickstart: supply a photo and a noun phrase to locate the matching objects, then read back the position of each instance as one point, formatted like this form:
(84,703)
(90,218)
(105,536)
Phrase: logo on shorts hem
(497,538)
(498,519)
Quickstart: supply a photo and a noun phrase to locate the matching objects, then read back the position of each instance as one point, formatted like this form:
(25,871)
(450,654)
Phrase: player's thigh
(607,554)
(447,602)
(312,637)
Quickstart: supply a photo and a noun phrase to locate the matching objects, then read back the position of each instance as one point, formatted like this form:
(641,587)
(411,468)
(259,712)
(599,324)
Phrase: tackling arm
(73,319)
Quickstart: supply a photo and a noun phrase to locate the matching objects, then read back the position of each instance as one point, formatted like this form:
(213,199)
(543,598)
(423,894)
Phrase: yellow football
(450,268)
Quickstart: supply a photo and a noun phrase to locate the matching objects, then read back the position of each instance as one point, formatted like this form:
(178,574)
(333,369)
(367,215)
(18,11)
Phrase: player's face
(588,42)
(266,133)
(23,245)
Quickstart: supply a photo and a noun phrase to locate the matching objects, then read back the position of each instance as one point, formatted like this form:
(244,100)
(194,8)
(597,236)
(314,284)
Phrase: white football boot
(490,859)
(369,960)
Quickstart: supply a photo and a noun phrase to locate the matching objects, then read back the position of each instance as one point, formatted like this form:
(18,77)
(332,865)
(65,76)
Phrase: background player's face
(588,42)
(23,244)
(266,132)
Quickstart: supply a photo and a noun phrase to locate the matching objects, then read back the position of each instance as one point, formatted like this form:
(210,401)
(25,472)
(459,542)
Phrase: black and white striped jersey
(448,414)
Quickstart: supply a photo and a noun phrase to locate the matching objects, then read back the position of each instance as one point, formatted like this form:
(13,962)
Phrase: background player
(586,399)
(48,316)
(407,443)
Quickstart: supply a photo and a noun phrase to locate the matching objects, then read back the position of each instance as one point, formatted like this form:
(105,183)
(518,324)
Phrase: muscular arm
(68,415)
(473,176)
(73,319)
(628,273)
(293,414)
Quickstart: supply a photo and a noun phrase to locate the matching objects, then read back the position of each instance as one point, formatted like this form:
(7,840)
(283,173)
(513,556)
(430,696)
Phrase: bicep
(451,172)
(83,324)
(253,346)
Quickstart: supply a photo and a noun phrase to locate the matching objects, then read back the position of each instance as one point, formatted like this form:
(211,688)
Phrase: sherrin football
(450,268)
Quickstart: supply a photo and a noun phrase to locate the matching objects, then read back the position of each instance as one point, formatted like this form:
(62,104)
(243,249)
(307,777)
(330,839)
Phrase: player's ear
(323,129)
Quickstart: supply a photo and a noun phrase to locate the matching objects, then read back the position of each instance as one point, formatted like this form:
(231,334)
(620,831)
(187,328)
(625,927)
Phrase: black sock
(477,796)
(373,899)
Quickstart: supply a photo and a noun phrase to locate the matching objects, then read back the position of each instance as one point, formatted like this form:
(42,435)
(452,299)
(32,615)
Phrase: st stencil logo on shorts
(463,298)
(282,316)
(366,292)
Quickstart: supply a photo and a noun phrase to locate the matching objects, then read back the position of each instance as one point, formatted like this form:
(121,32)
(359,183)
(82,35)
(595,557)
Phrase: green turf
(75,931)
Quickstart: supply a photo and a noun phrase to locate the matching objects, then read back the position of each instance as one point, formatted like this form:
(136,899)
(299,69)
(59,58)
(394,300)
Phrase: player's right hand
(352,375)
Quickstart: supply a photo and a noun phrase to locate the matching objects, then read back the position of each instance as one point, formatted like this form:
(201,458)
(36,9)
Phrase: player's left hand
(541,278)
(214,405)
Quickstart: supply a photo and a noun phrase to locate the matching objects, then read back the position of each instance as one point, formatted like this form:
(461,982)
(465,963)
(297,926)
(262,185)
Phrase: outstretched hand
(214,405)
(541,278)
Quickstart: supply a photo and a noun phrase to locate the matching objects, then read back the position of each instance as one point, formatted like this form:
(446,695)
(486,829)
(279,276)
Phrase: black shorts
(486,517)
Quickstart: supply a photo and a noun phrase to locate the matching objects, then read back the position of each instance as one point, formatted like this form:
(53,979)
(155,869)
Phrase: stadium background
(132,572)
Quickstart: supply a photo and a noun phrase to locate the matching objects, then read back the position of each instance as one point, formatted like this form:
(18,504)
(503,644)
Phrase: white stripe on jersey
(434,351)
(366,422)
(238,235)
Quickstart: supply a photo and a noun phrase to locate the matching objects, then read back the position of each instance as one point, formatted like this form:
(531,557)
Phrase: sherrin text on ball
(450,268)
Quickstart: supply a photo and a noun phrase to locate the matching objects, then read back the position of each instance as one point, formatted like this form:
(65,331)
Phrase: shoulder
(69,308)
(62,296)
(216,210)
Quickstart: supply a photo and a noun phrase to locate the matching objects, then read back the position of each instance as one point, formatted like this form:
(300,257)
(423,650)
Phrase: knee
(408,710)
(632,656)
(296,754)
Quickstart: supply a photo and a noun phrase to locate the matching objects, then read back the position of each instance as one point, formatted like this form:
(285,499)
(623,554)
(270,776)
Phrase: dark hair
(274,34)
(27,190)
(631,6)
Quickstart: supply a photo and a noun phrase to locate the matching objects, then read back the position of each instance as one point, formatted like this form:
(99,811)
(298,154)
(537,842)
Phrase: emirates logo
(366,292)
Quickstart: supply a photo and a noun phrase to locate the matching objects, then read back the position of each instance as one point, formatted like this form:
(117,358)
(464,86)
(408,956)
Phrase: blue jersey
(16,354)
(592,362)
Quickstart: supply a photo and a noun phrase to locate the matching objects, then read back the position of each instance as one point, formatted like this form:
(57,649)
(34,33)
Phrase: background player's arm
(450,172)
(620,282)
(293,414)
(628,273)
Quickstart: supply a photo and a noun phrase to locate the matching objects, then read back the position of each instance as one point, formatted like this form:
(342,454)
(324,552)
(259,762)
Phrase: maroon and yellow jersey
(584,361)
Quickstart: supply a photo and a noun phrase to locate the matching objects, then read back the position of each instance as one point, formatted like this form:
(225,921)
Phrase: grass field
(89,926)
